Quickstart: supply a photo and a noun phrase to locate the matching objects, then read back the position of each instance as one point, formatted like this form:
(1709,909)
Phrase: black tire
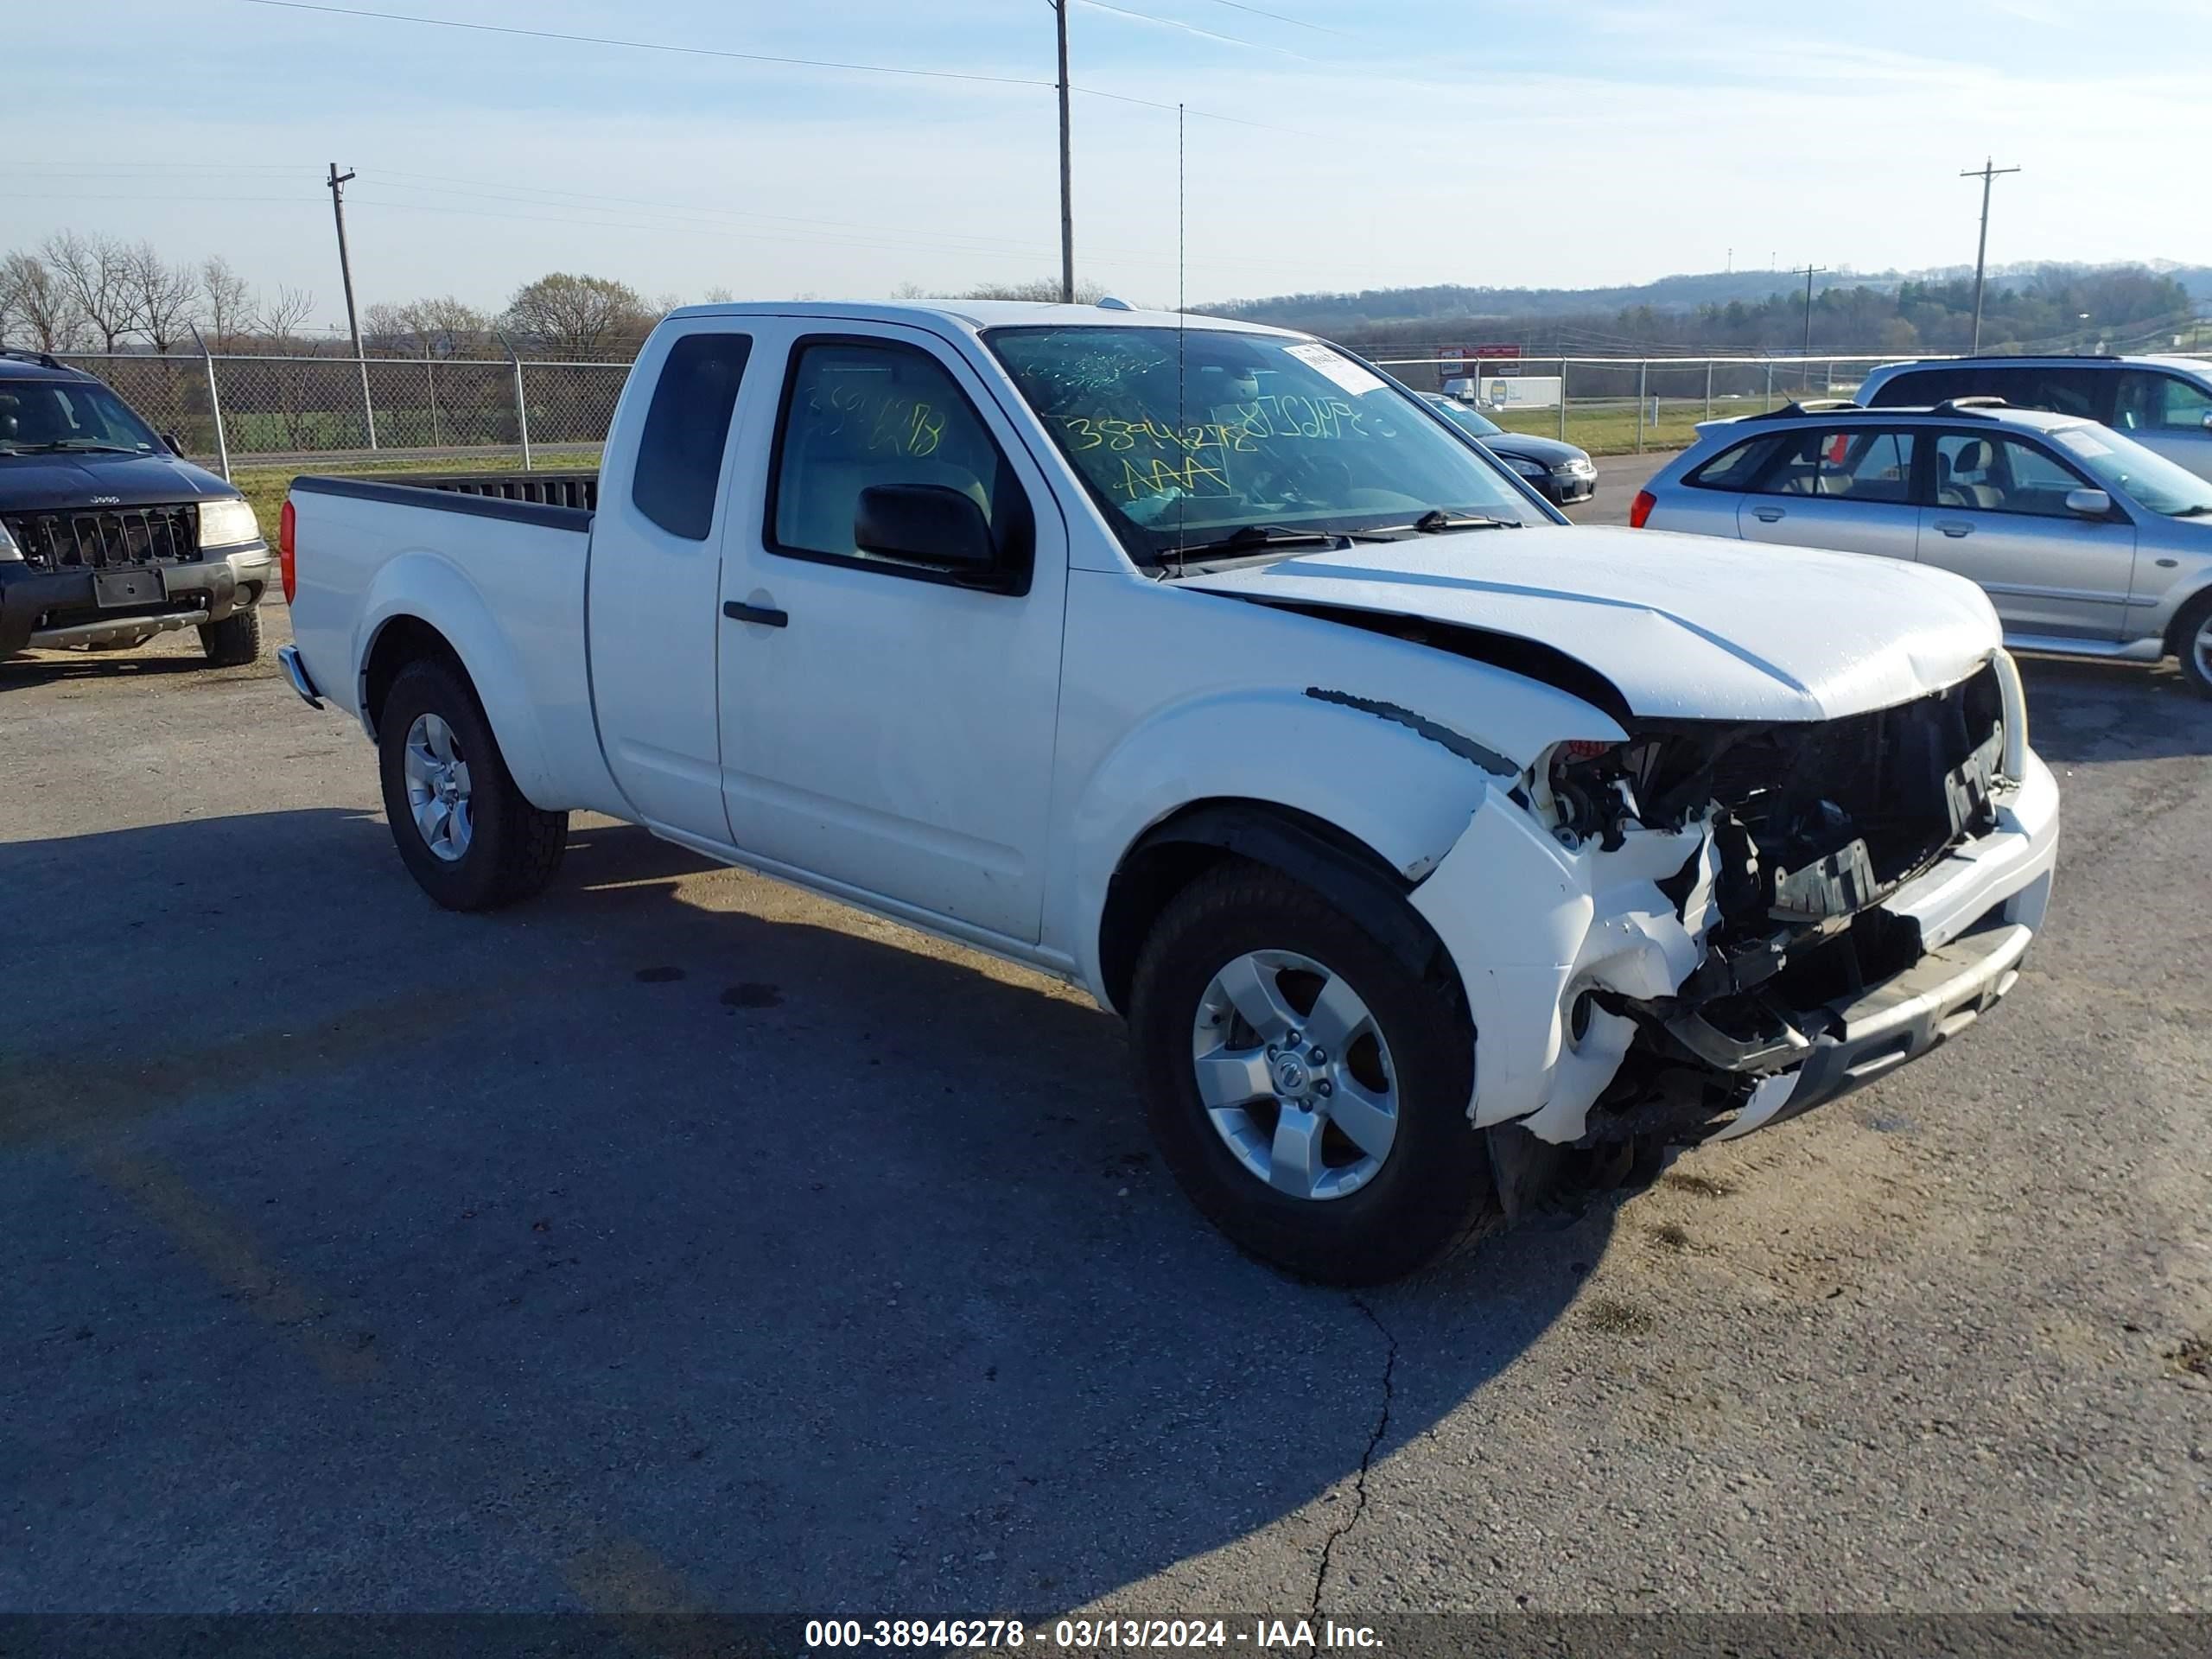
(513,847)
(234,641)
(2195,618)
(1432,1192)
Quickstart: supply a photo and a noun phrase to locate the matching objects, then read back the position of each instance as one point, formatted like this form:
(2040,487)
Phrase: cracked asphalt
(679,1242)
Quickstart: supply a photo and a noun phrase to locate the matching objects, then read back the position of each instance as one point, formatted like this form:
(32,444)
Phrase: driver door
(887,726)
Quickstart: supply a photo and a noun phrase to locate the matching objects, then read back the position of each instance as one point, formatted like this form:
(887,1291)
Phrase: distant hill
(2039,305)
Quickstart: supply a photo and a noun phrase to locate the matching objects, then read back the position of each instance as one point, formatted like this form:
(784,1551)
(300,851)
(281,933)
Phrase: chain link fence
(235,410)
(1617,405)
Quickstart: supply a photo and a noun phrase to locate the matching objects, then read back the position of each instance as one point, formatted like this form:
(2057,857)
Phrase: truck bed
(485,493)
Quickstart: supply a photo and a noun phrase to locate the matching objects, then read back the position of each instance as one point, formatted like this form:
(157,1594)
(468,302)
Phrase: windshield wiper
(2197,512)
(1435,521)
(77,446)
(1251,538)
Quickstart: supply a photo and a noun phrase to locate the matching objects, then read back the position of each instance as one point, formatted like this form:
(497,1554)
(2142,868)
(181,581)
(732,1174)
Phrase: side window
(1863,466)
(2079,392)
(2153,402)
(859,414)
(1733,468)
(1918,386)
(680,453)
(1995,474)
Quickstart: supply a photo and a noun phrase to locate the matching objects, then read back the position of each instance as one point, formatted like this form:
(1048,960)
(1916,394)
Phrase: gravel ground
(679,1240)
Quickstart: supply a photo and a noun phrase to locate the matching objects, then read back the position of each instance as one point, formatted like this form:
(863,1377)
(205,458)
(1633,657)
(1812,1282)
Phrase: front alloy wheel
(1307,1083)
(1295,1075)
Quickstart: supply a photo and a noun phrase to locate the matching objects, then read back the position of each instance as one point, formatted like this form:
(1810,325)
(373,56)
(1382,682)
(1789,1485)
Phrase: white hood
(1687,626)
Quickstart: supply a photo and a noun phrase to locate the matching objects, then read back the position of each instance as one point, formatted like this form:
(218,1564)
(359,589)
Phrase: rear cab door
(1998,516)
(887,721)
(1846,486)
(653,606)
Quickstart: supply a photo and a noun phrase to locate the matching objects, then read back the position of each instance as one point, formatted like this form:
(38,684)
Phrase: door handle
(1768,515)
(767,616)
(1953,528)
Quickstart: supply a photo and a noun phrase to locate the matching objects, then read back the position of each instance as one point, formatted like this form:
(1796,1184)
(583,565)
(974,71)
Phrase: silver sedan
(2088,543)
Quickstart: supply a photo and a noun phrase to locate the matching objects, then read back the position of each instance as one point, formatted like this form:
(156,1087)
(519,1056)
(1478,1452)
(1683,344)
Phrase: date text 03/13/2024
(1089,1634)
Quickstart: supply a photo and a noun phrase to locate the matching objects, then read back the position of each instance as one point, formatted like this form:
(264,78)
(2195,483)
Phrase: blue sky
(1330,145)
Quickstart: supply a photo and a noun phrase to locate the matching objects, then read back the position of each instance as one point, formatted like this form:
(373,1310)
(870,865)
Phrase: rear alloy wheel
(1307,1085)
(467,835)
(2193,635)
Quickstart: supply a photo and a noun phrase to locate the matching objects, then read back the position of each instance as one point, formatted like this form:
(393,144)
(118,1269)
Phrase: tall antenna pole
(1988,173)
(337,182)
(1067,168)
(1808,272)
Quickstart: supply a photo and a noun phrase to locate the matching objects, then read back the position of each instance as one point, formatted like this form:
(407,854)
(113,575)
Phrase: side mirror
(2089,504)
(175,443)
(2207,420)
(927,523)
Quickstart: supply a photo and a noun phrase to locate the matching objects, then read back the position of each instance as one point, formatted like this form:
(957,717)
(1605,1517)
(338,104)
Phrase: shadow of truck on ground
(642,1248)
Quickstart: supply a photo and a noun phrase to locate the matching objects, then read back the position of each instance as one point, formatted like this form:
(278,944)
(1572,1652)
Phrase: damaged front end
(1726,924)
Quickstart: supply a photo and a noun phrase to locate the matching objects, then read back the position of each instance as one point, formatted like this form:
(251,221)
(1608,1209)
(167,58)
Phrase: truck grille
(107,538)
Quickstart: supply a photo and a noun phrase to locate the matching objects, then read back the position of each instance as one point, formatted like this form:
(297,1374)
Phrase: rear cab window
(679,464)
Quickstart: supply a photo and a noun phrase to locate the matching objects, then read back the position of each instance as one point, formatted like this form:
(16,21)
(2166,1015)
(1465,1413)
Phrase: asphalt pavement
(680,1241)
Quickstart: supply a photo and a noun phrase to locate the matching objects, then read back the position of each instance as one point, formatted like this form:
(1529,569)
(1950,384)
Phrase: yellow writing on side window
(888,421)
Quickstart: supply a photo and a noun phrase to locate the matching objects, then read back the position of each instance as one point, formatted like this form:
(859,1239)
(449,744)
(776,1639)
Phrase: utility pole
(1808,272)
(1988,173)
(337,182)
(1067,169)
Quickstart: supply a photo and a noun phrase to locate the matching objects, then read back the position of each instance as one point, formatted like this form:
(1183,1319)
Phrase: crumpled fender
(1396,792)
(1532,923)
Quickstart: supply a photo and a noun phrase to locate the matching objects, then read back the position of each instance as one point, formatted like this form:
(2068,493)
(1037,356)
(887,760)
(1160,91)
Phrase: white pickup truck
(1413,831)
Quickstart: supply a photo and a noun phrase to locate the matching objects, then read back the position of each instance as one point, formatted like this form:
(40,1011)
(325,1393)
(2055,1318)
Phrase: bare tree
(34,305)
(94,272)
(230,303)
(281,321)
(592,318)
(165,296)
(1043,288)
(443,327)
(388,330)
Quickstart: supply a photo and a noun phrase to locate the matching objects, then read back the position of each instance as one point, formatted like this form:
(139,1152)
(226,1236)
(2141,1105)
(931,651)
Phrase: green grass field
(1611,429)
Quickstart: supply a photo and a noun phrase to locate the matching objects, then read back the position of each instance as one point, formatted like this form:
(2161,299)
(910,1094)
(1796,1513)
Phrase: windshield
(1464,415)
(1258,439)
(62,415)
(2149,480)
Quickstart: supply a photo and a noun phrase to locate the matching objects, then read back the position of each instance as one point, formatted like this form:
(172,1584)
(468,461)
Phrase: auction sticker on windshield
(1339,368)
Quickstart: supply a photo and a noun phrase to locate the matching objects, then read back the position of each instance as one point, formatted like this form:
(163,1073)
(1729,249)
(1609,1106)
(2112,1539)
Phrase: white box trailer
(1506,391)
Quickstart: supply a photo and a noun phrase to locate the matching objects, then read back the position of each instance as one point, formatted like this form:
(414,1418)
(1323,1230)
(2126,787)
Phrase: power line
(647,46)
(1191,29)
(723,52)
(1299,23)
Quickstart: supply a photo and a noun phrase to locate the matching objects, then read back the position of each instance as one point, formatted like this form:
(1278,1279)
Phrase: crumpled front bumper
(1542,931)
